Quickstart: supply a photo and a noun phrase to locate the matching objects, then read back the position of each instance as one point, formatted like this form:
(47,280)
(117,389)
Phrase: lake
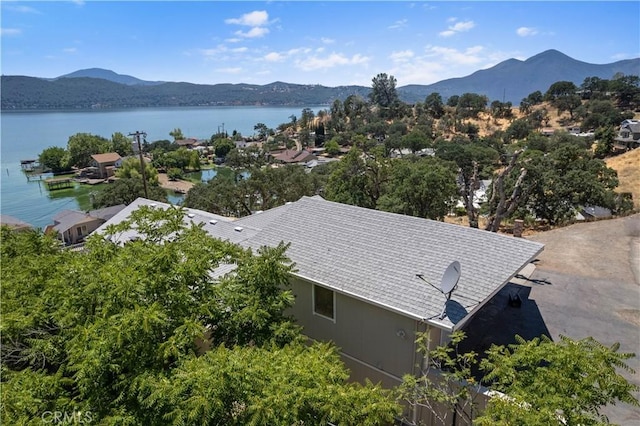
(24,134)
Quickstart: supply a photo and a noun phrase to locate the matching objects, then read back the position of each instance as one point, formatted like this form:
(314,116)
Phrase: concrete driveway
(586,283)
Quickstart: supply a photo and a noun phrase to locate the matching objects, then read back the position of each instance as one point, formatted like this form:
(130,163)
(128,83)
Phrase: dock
(62,183)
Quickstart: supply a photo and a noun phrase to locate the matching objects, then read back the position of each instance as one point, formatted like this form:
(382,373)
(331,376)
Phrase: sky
(330,43)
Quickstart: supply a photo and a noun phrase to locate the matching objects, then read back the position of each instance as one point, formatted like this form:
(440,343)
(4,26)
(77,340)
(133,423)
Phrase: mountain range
(510,80)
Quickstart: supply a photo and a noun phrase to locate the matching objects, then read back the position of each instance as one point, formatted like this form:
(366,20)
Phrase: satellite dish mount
(448,283)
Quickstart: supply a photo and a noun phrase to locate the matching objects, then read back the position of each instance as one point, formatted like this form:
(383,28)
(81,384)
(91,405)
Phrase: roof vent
(153,205)
(288,202)
(238,228)
(191,215)
(213,221)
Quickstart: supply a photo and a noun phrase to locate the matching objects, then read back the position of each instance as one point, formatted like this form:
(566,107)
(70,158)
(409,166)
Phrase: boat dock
(62,183)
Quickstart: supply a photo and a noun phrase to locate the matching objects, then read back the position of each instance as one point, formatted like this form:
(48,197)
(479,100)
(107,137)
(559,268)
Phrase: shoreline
(177,185)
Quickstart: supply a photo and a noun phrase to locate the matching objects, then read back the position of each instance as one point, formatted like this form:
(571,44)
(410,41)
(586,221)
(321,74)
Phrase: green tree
(82,146)
(470,105)
(121,144)
(566,179)
(626,89)
(384,92)
(262,130)
(604,141)
(125,191)
(424,187)
(434,105)
(119,330)
(176,134)
(130,169)
(332,147)
(359,178)
(566,382)
(55,158)
(445,386)
(563,96)
(538,382)
(223,146)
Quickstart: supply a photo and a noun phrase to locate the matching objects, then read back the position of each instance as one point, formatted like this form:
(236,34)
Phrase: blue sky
(308,42)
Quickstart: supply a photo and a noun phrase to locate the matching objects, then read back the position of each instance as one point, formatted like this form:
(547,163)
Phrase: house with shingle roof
(362,276)
(105,165)
(14,223)
(290,156)
(72,226)
(628,135)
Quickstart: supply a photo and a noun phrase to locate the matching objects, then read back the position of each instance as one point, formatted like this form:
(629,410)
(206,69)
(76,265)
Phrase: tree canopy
(144,333)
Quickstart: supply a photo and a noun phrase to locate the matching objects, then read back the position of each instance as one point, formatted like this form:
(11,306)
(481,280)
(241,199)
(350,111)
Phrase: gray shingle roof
(374,256)
(69,218)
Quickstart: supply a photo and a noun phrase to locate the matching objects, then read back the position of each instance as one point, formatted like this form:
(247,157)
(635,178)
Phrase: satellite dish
(447,284)
(450,277)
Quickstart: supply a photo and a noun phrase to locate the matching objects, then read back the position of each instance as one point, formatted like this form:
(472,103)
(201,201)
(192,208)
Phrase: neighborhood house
(104,166)
(368,280)
(72,226)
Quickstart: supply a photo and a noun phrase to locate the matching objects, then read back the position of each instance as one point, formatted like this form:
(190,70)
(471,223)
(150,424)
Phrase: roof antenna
(448,283)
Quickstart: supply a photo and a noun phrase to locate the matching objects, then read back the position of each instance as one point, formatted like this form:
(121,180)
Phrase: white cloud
(22,9)
(256,18)
(451,56)
(213,51)
(231,70)
(398,24)
(254,32)
(78,2)
(274,57)
(458,27)
(333,60)
(621,56)
(326,40)
(10,31)
(401,56)
(239,49)
(526,31)
(447,33)
(70,50)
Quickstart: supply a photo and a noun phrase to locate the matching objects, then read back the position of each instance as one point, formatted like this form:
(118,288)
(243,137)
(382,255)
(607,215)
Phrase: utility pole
(137,135)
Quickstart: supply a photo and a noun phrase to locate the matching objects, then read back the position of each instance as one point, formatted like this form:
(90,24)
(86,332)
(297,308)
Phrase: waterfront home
(103,166)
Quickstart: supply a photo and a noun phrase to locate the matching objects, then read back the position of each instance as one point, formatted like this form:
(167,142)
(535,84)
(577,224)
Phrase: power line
(137,135)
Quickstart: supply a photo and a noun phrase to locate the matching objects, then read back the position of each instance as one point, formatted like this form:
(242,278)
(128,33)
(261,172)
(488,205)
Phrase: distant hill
(110,76)
(510,80)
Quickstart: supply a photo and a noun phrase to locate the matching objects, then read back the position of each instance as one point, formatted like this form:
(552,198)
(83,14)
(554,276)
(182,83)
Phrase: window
(323,302)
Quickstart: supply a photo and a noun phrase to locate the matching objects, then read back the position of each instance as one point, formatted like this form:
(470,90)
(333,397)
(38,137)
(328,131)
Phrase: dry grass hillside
(628,167)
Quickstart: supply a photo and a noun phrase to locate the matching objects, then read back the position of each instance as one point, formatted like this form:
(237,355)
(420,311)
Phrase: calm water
(24,135)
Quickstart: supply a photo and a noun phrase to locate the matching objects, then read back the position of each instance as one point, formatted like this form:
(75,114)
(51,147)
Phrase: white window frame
(313,303)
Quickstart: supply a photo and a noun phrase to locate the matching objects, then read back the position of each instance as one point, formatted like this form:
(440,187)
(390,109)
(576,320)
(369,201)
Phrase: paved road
(586,283)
